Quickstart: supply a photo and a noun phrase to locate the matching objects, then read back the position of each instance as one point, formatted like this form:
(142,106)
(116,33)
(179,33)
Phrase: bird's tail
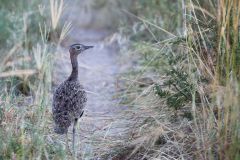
(60,130)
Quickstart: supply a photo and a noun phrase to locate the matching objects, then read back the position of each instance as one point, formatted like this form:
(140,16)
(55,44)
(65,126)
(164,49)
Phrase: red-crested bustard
(69,98)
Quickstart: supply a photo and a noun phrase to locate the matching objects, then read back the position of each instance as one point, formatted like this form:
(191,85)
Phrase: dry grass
(57,8)
(211,45)
(217,123)
(26,121)
(153,130)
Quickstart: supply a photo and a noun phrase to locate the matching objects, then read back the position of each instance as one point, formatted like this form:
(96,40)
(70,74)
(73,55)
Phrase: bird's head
(78,48)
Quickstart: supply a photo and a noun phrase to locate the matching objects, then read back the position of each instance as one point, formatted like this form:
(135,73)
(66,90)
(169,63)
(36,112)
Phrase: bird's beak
(87,47)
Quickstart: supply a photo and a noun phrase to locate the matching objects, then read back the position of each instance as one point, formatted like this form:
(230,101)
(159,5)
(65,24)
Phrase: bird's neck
(74,74)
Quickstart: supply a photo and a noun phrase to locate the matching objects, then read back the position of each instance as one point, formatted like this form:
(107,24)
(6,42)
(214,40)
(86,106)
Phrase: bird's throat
(74,74)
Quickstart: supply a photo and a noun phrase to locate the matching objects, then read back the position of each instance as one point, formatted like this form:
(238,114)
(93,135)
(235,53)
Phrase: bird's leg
(67,146)
(74,130)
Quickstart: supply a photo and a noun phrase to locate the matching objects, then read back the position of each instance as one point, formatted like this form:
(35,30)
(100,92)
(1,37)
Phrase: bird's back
(69,101)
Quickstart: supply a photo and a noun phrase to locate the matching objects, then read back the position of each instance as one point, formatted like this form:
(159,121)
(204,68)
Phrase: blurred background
(162,79)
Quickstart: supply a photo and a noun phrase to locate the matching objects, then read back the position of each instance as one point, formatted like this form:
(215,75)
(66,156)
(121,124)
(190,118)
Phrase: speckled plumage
(69,101)
(69,98)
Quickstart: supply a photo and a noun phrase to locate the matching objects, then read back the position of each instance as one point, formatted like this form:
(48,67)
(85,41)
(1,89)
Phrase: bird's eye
(78,47)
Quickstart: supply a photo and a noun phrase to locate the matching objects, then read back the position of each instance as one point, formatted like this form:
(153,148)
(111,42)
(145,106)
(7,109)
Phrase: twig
(19,73)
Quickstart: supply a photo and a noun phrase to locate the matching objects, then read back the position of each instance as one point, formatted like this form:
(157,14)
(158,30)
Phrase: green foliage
(179,91)
(161,93)
(210,56)
(168,60)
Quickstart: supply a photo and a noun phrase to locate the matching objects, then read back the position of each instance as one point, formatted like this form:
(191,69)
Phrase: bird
(69,99)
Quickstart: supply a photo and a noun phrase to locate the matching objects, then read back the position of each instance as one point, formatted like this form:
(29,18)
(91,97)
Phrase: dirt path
(98,70)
